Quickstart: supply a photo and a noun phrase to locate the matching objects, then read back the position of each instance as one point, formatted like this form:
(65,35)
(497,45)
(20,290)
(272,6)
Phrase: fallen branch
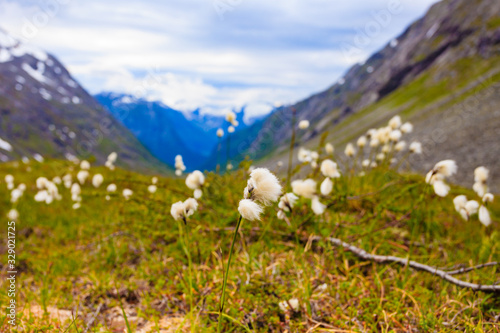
(416,265)
(91,321)
(468,269)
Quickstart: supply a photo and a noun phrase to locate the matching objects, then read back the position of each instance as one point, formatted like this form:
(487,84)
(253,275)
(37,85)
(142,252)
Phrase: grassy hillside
(118,265)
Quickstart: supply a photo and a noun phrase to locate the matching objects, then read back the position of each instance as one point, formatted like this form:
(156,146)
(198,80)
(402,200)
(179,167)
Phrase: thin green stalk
(185,247)
(217,169)
(228,151)
(292,144)
(222,299)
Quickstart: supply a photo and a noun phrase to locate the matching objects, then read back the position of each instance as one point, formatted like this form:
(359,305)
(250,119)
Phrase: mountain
(442,73)
(167,132)
(43,110)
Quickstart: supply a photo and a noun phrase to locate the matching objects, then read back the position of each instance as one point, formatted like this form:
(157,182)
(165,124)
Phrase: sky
(214,55)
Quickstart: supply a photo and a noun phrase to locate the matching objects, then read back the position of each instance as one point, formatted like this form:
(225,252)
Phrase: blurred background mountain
(442,73)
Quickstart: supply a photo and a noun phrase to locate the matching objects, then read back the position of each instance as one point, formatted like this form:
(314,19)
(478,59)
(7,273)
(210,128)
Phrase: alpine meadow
(184,171)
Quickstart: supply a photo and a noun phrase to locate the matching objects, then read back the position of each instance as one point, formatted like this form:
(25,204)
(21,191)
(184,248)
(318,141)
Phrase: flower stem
(292,144)
(222,299)
(228,151)
(217,169)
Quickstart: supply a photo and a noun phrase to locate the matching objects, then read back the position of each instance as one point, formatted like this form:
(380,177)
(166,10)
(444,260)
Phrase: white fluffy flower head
(195,180)
(304,188)
(263,186)
(395,122)
(97,180)
(329,148)
(250,210)
(416,147)
(304,124)
(350,151)
(329,169)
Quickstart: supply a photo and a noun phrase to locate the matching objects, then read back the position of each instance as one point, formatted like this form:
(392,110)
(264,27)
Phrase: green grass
(127,256)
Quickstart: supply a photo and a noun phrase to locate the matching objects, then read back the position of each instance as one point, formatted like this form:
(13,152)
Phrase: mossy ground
(127,257)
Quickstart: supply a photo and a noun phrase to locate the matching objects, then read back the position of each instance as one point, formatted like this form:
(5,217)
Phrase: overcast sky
(214,54)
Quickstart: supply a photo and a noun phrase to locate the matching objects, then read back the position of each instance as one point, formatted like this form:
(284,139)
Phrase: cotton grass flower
(488,197)
(329,169)
(75,192)
(263,187)
(41,182)
(484,216)
(195,180)
(182,210)
(480,188)
(197,193)
(111,188)
(67,181)
(85,165)
(179,165)
(229,167)
(406,128)
(395,135)
(15,195)
(82,176)
(154,180)
(127,193)
(287,201)
(230,129)
(13,215)
(365,163)
(220,133)
(97,180)
(110,162)
(416,148)
(350,151)
(480,177)
(250,210)
(230,117)
(76,205)
(436,176)
(304,188)
(317,207)
(329,149)
(395,122)
(326,186)
(400,146)
(152,189)
(440,188)
(57,180)
(43,196)
(9,180)
(304,124)
(293,303)
(112,157)
(481,174)
(304,155)
(362,141)
(459,202)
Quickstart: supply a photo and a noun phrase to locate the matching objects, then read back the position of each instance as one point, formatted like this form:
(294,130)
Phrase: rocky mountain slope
(44,111)
(442,74)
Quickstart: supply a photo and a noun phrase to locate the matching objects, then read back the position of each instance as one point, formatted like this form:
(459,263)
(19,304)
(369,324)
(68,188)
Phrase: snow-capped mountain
(167,132)
(45,111)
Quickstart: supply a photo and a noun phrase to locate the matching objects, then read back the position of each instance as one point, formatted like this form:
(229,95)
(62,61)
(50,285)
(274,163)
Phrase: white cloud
(182,53)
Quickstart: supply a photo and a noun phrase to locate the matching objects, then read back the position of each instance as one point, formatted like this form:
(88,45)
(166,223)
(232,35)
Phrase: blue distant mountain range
(167,132)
